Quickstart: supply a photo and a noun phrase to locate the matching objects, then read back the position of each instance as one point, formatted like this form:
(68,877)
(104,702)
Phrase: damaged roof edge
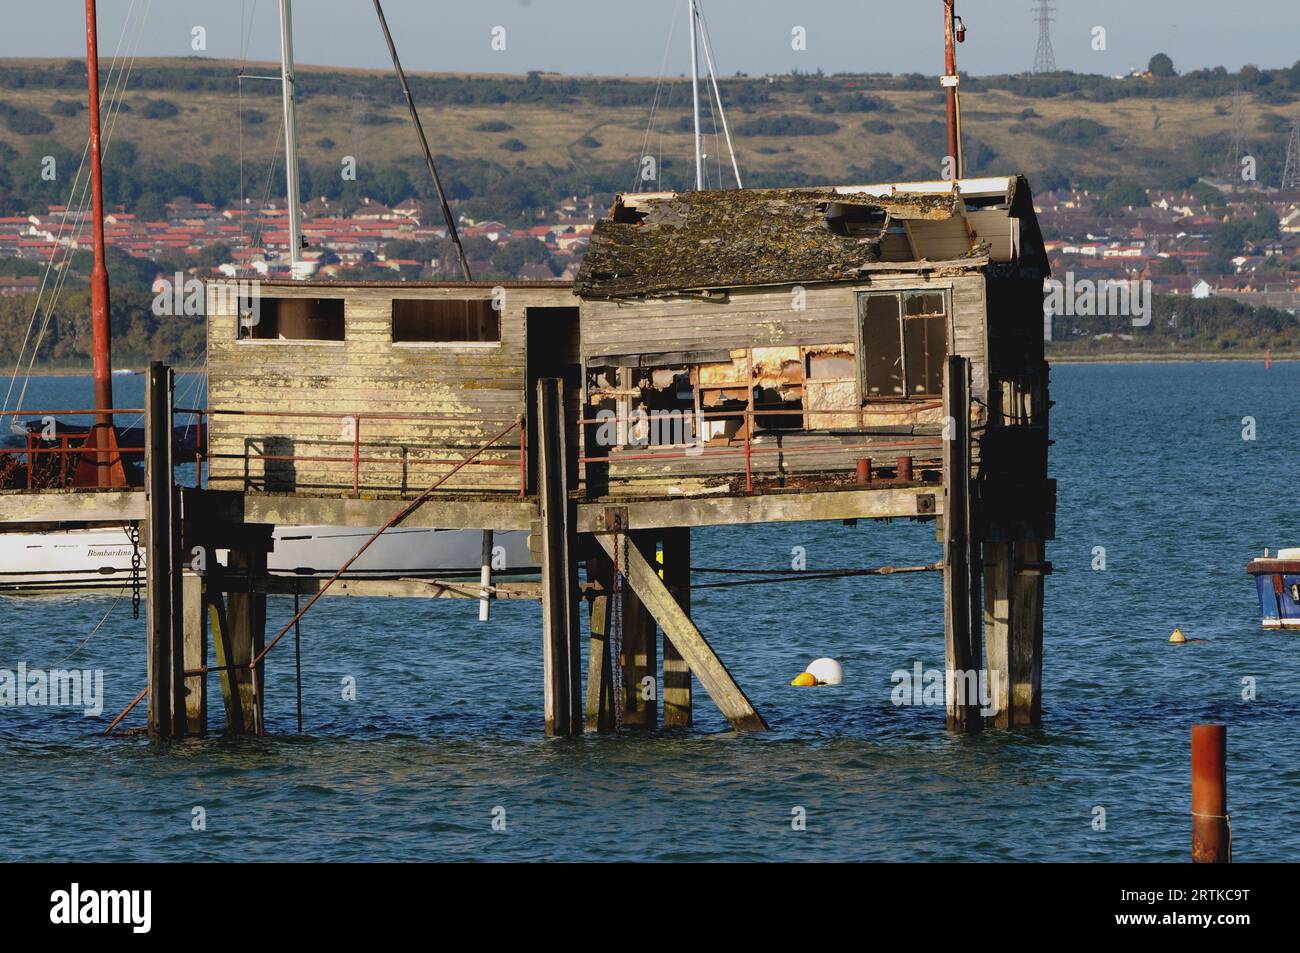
(668,243)
(987,187)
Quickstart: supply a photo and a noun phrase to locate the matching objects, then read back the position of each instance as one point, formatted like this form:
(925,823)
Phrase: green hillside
(512,145)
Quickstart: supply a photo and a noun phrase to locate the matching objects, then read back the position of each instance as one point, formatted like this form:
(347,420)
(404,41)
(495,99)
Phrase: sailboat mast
(951,81)
(717,94)
(290,137)
(99,326)
(695,98)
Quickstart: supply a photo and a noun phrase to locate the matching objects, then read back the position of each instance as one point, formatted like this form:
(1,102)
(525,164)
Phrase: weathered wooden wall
(482,384)
(685,330)
(765,317)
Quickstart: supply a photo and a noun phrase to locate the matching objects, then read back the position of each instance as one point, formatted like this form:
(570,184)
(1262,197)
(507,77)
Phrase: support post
(695,649)
(246,620)
(999,625)
(677,674)
(224,650)
(640,649)
(1211,834)
(600,667)
(1027,584)
(195,655)
(561,618)
(485,578)
(961,602)
(162,545)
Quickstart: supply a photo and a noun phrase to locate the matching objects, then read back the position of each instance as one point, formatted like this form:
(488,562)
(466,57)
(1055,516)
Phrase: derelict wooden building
(863,352)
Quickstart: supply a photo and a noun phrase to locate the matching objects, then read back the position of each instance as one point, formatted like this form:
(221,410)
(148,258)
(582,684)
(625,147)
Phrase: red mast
(108,467)
(950,80)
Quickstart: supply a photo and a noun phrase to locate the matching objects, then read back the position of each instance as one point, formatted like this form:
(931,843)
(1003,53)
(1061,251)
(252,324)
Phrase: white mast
(290,139)
(717,94)
(695,97)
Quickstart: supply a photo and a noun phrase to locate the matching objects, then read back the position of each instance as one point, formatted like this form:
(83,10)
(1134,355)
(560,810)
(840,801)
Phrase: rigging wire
(654,111)
(77,202)
(717,93)
(61,250)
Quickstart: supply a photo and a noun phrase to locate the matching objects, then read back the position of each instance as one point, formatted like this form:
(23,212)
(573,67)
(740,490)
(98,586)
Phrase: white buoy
(827,671)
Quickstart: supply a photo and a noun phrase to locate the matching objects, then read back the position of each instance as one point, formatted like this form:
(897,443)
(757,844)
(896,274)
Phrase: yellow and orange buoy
(1177,638)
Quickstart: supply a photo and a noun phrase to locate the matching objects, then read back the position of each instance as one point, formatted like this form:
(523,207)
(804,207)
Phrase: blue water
(446,727)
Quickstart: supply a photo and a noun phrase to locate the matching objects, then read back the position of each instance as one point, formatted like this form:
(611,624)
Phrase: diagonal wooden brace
(687,639)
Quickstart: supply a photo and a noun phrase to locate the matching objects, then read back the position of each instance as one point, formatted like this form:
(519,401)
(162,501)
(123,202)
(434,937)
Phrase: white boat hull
(82,559)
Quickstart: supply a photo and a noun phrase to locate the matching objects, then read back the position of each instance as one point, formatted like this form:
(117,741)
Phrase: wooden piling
(561,619)
(223,648)
(246,630)
(1027,585)
(690,642)
(999,625)
(195,655)
(600,667)
(165,641)
(639,644)
(677,674)
(961,572)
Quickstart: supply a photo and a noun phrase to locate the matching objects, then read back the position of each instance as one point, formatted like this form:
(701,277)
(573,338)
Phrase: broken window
(293,319)
(779,379)
(445,321)
(904,344)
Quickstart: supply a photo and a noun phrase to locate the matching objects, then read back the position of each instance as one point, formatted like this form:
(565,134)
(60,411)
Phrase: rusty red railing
(519,461)
(748,450)
(68,444)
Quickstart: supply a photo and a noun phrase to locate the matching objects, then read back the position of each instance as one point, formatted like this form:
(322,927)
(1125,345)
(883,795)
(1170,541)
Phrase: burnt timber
(739,357)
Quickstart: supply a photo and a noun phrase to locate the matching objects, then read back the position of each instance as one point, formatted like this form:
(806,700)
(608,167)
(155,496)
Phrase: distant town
(1210,241)
(408,241)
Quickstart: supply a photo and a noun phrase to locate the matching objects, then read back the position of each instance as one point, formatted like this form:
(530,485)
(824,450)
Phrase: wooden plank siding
(635,332)
(482,386)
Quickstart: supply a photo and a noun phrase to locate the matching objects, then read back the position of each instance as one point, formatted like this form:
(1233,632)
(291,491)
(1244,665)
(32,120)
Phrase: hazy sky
(629,36)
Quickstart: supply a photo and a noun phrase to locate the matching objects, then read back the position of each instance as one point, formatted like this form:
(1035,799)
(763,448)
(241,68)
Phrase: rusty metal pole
(99,327)
(949,82)
(1211,834)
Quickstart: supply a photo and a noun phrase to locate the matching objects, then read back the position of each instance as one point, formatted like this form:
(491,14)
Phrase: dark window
(904,343)
(445,320)
(882,347)
(293,319)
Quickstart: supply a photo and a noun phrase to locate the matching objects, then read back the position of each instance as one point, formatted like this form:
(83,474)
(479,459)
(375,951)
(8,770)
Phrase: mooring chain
(133,533)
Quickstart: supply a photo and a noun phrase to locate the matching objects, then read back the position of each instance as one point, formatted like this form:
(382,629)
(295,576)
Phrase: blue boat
(1278,580)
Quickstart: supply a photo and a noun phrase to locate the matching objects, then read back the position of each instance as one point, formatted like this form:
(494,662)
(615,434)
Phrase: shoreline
(1167,357)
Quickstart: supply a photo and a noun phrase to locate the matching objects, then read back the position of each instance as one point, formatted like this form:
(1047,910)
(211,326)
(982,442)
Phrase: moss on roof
(718,239)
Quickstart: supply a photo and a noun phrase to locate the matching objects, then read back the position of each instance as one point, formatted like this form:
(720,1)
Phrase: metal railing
(67,445)
(746,448)
(402,460)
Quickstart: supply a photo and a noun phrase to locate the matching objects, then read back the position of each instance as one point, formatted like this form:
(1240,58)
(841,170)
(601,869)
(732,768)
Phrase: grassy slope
(208,128)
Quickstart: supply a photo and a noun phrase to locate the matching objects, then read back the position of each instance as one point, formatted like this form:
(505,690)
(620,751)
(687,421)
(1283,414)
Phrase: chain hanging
(133,533)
